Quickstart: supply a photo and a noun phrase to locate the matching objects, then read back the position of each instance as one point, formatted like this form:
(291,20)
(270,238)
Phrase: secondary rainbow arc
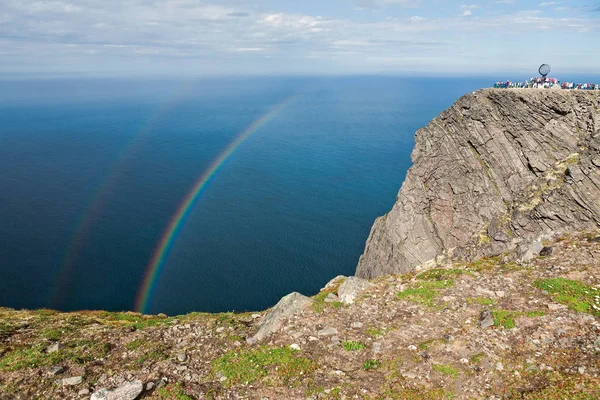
(155,267)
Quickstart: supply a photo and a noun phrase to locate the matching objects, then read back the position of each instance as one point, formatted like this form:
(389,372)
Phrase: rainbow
(94,210)
(157,262)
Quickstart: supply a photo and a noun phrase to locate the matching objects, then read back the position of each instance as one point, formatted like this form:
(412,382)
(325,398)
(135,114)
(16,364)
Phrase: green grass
(52,334)
(175,391)
(78,351)
(429,343)
(248,365)
(319,304)
(422,393)
(553,386)
(151,356)
(484,301)
(477,358)
(440,274)
(352,345)
(446,369)
(137,321)
(576,295)
(371,364)
(424,292)
(6,330)
(134,344)
(374,332)
(507,318)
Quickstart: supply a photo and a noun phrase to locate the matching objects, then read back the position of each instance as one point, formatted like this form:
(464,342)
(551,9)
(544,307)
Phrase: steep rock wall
(498,168)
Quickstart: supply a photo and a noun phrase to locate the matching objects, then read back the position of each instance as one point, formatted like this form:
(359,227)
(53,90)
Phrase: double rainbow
(157,262)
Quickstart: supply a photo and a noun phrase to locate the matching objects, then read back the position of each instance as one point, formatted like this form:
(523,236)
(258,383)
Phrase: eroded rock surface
(289,305)
(498,169)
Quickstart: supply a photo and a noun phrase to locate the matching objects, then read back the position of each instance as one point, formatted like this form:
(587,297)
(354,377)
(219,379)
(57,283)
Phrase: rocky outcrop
(288,306)
(497,170)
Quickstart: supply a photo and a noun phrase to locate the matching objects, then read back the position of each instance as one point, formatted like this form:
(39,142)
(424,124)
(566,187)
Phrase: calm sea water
(91,172)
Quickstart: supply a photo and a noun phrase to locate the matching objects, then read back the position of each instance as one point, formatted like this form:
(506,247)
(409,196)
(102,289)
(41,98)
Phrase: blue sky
(197,37)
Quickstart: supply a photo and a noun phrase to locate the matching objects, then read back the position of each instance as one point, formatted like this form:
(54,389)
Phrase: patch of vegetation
(129,319)
(507,318)
(576,295)
(6,330)
(134,344)
(175,391)
(477,358)
(248,365)
(52,334)
(151,356)
(484,301)
(446,369)
(441,274)
(319,303)
(371,364)
(79,351)
(554,386)
(426,345)
(425,292)
(352,345)
(374,332)
(421,393)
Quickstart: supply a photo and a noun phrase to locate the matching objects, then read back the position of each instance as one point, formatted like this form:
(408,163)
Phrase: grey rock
(127,391)
(288,306)
(546,251)
(331,298)
(56,370)
(83,392)
(327,332)
(351,288)
(54,348)
(491,173)
(149,385)
(181,357)
(485,319)
(72,381)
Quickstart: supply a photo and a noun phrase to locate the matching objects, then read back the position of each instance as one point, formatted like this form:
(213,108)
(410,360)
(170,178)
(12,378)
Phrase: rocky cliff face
(497,170)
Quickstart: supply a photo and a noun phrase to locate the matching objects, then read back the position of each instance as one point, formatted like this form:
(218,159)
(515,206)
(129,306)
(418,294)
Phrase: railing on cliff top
(546,83)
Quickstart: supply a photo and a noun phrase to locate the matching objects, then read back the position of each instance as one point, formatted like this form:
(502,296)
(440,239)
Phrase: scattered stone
(581,370)
(290,305)
(356,325)
(485,292)
(327,332)
(220,329)
(499,366)
(54,348)
(556,307)
(331,298)
(58,369)
(464,361)
(351,287)
(500,293)
(83,392)
(412,347)
(150,386)
(546,251)
(72,381)
(128,391)
(485,319)
(295,346)
(409,375)
(182,357)
(161,315)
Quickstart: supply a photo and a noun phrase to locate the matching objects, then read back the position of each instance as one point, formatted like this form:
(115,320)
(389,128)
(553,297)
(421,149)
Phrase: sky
(273,37)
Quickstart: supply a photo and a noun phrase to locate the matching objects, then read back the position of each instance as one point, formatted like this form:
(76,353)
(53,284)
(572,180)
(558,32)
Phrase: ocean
(210,195)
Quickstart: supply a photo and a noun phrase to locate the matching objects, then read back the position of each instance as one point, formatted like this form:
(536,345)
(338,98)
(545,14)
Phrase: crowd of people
(546,83)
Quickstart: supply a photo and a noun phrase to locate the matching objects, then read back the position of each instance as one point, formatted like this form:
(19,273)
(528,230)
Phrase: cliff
(495,172)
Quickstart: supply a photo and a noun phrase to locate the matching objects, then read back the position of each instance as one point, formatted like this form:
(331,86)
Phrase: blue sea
(93,170)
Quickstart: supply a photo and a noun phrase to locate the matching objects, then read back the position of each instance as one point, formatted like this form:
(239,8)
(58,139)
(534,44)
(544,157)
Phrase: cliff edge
(496,171)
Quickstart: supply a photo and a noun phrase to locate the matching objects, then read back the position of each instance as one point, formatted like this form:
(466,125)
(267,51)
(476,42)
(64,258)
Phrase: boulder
(288,306)
(127,391)
(351,288)
(72,381)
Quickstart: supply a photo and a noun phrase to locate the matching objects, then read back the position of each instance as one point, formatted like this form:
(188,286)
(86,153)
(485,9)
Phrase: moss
(134,344)
(425,292)
(319,303)
(440,274)
(246,366)
(484,301)
(134,320)
(446,369)
(507,318)
(52,334)
(352,345)
(371,364)
(374,332)
(79,351)
(553,386)
(477,358)
(576,295)
(175,391)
